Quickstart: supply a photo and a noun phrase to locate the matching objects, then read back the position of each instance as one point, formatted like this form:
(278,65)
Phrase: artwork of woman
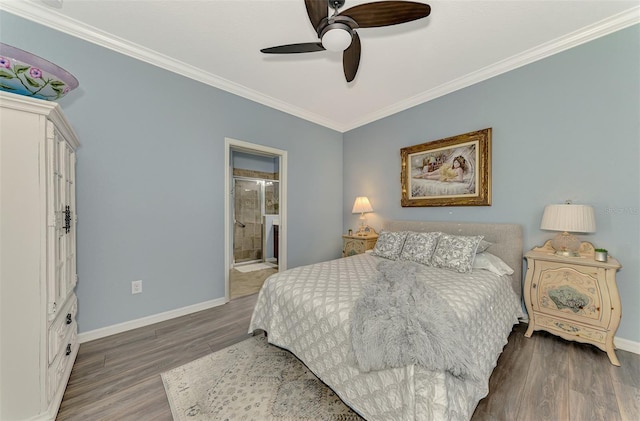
(449,171)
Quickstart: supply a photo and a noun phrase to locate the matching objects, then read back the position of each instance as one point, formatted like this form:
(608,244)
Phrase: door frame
(231,145)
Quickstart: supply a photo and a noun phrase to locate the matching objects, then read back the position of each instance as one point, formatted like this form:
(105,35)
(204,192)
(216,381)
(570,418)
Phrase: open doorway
(255,216)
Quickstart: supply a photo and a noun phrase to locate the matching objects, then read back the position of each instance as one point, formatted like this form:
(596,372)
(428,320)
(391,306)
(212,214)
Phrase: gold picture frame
(455,171)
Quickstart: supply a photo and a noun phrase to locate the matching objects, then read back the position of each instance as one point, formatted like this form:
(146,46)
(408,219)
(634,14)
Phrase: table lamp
(362,206)
(568,218)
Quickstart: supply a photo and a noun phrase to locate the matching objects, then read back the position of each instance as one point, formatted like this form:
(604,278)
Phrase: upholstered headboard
(506,239)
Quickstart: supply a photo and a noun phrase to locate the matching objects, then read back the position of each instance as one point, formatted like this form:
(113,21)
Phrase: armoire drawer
(61,365)
(61,328)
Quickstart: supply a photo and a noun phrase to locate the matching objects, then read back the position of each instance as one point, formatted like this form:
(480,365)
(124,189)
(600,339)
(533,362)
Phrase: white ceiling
(218,42)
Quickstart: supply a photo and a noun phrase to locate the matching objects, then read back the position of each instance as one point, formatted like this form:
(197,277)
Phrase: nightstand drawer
(564,327)
(570,292)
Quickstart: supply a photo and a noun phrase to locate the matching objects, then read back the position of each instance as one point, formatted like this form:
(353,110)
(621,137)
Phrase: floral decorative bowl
(27,74)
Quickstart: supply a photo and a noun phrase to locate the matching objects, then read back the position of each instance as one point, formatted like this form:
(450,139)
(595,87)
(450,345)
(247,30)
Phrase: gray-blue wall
(150,191)
(247,161)
(567,127)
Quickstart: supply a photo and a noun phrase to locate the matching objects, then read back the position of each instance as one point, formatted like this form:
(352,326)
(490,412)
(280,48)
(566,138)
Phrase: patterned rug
(251,380)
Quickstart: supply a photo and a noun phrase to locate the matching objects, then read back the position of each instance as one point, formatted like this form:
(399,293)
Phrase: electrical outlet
(136,286)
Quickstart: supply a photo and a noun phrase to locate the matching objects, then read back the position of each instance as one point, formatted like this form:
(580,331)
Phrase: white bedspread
(306,311)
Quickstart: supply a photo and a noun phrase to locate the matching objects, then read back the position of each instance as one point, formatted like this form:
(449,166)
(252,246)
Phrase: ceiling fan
(338,31)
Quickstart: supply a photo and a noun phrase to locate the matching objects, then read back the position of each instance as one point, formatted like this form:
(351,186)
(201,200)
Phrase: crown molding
(55,20)
(599,29)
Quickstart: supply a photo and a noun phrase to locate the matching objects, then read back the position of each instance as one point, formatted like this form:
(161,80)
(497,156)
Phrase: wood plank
(626,384)
(591,393)
(507,381)
(546,392)
(628,398)
(629,371)
(145,400)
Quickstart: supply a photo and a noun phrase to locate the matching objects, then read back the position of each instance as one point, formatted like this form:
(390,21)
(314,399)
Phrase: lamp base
(566,245)
(365,231)
(567,253)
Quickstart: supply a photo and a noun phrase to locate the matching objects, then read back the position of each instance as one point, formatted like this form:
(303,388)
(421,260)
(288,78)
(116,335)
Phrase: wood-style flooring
(538,378)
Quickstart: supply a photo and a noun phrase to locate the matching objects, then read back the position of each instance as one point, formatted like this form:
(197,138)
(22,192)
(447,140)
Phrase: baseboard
(627,345)
(146,321)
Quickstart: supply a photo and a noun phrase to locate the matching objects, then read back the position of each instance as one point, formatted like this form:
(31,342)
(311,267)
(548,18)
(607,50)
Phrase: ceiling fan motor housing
(336,36)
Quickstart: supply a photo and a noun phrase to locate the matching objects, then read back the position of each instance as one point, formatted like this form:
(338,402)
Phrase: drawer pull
(534,286)
(68,318)
(68,349)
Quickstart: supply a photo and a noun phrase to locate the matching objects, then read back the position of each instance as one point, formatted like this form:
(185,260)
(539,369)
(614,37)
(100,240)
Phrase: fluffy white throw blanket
(398,320)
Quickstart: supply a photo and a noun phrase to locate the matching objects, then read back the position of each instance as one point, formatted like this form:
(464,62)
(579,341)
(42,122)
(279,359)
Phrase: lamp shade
(568,218)
(362,205)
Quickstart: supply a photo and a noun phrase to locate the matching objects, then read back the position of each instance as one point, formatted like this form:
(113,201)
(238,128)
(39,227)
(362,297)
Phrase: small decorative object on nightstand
(601,255)
(575,298)
(356,244)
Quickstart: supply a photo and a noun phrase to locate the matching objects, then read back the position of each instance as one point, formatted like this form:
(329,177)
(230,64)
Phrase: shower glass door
(248,210)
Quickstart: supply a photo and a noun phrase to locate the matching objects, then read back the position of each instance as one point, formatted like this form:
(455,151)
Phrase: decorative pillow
(483,246)
(389,244)
(491,263)
(419,246)
(456,252)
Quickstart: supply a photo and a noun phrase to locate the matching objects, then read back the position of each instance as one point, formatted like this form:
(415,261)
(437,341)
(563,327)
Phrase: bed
(311,311)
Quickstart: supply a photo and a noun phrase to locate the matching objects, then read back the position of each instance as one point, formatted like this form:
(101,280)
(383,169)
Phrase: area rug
(251,380)
(254,266)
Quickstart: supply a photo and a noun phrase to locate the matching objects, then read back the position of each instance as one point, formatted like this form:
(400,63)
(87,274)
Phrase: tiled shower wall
(247,243)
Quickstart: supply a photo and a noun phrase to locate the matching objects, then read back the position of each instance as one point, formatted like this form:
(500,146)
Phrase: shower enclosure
(255,201)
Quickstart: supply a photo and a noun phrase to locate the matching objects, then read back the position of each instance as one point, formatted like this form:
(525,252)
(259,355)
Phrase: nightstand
(575,298)
(356,244)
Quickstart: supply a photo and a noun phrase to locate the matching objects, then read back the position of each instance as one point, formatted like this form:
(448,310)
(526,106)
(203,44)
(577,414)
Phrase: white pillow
(491,263)
(483,246)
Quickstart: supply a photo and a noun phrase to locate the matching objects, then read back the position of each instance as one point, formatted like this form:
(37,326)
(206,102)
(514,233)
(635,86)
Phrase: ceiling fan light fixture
(336,37)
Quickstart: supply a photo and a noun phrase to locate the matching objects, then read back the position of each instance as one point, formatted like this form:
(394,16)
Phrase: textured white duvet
(306,310)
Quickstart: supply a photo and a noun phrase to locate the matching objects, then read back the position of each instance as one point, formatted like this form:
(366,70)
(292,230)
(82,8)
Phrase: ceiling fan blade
(307,47)
(351,58)
(385,13)
(317,10)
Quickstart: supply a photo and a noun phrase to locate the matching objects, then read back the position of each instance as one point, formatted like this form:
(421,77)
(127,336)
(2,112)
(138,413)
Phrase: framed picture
(455,171)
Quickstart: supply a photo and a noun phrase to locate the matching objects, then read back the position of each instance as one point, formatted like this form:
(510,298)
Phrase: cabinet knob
(68,349)
(534,286)
(68,318)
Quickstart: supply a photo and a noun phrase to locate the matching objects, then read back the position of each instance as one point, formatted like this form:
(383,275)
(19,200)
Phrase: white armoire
(38,330)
